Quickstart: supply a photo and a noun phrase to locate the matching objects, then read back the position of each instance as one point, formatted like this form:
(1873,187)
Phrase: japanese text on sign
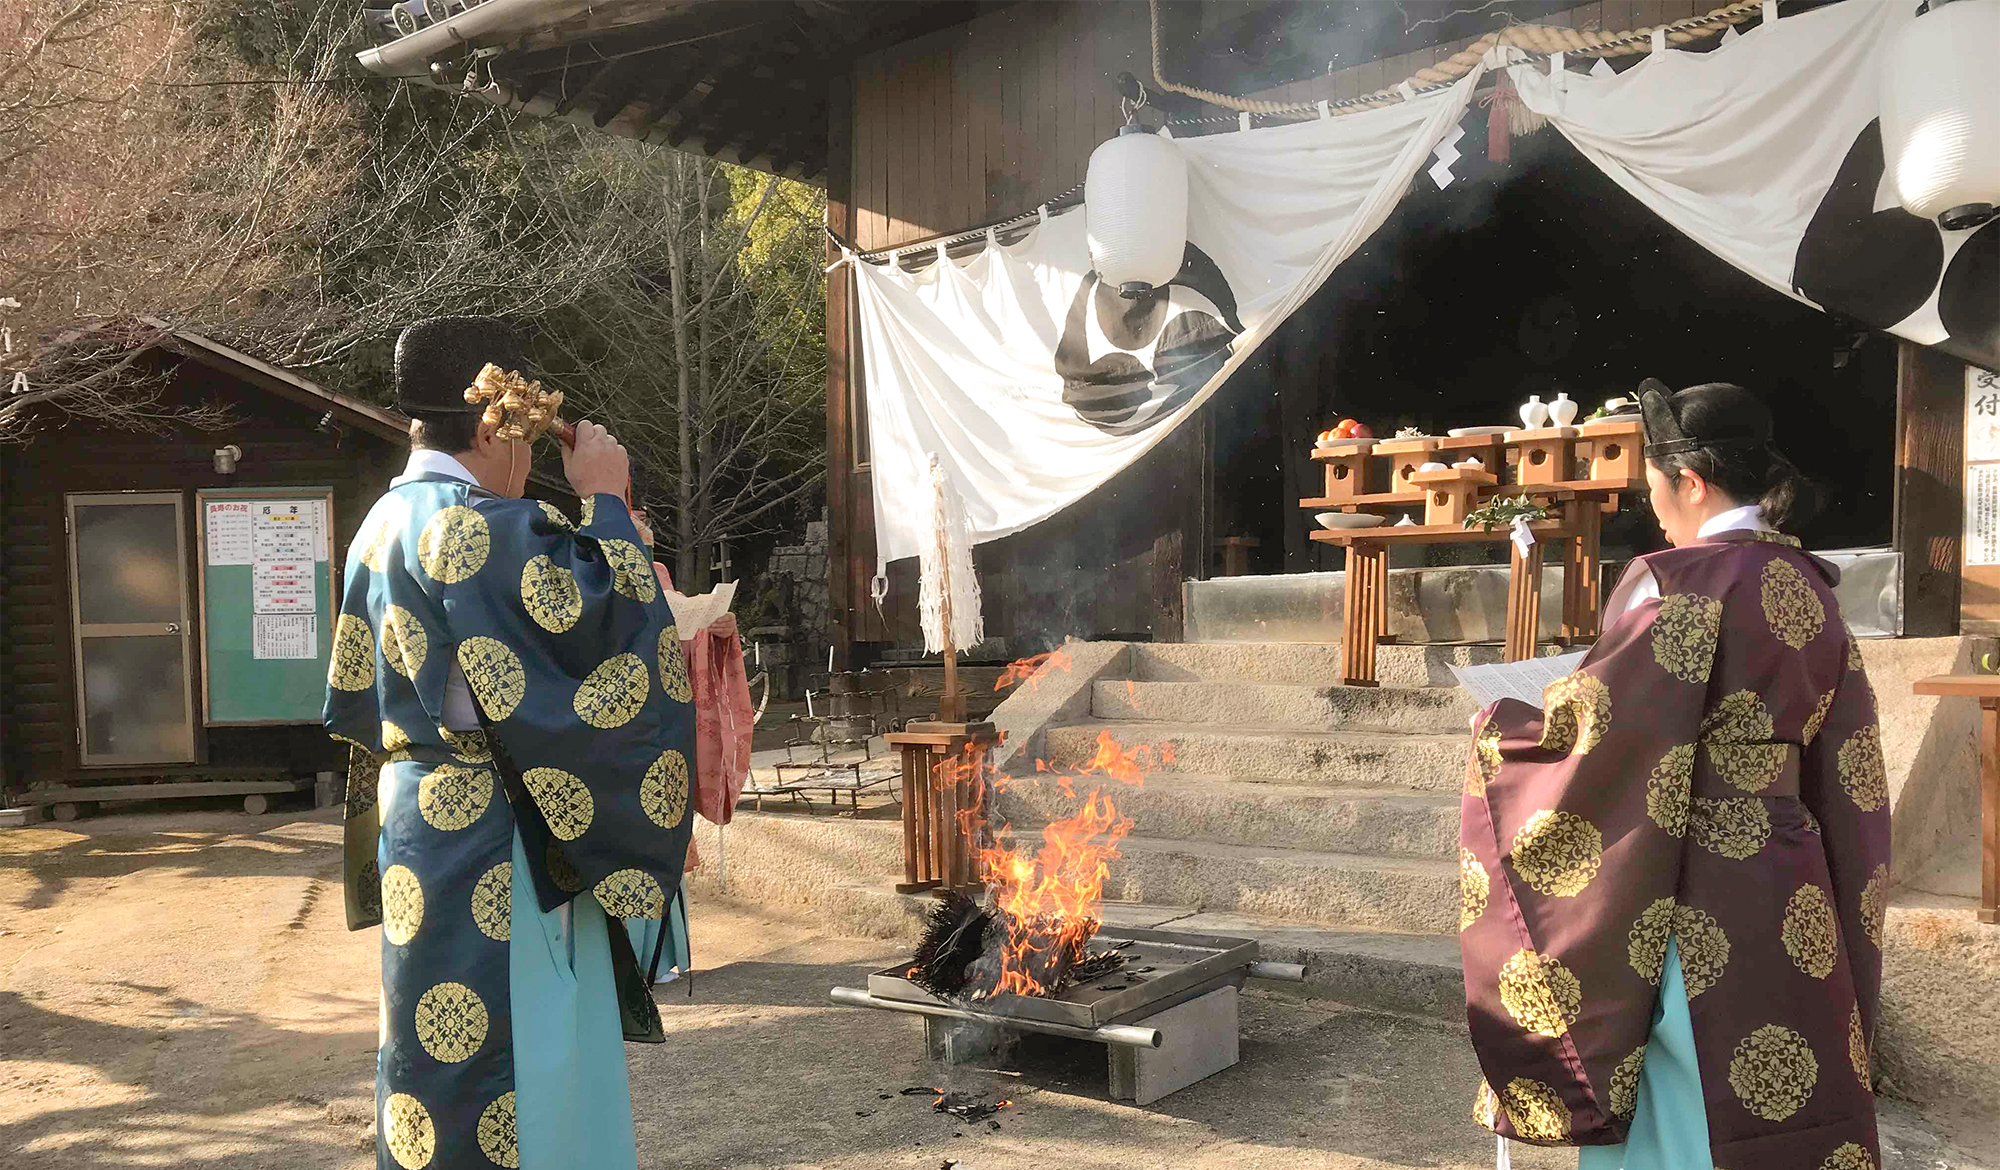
(1982,467)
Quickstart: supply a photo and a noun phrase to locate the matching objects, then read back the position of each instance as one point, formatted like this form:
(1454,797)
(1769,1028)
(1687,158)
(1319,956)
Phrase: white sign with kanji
(1982,467)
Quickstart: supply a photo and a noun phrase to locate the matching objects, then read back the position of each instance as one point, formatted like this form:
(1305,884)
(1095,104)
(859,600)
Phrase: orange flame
(1050,897)
(1026,669)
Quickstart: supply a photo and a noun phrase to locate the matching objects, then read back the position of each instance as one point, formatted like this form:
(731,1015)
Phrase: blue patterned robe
(584,700)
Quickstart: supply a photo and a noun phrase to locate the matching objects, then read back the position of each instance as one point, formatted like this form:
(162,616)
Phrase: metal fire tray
(1183,966)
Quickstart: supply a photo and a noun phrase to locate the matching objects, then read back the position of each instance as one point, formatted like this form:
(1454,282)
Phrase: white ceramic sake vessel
(1534,413)
(1562,411)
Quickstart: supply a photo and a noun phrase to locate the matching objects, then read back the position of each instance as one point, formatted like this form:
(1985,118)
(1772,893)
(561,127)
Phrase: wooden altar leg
(1581,568)
(1989,811)
(1360,625)
(941,826)
(1382,634)
(1524,602)
(916,803)
(948,843)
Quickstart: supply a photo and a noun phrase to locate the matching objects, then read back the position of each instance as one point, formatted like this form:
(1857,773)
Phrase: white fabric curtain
(1765,150)
(1032,387)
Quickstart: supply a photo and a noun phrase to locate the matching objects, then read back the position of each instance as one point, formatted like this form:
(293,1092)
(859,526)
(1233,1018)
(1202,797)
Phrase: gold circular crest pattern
(1485,763)
(556,516)
(1875,903)
(493,902)
(1794,612)
(353,665)
(1854,662)
(550,595)
(1734,827)
(1736,735)
(1486,1106)
(1576,713)
(1558,853)
(407,1131)
(499,1133)
(1810,935)
(631,893)
(664,791)
(452,797)
(402,904)
(564,800)
(1862,772)
(394,738)
(1646,942)
(631,573)
(364,777)
(453,545)
(1684,635)
(561,872)
(451,1022)
(588,510)
(674,668)
(1540,993)
(405,645)
(1857,1049)
(1537,1111)
(469,746)
(1773,1072)
(1849,1157)
(1704,947)
(385,525)
(614,692)
(1624,1091)
(1670,789)
(495,675)
(1475,885)
(1818,720)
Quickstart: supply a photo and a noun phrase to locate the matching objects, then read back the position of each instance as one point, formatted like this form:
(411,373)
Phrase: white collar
(426,462)
(1750,516)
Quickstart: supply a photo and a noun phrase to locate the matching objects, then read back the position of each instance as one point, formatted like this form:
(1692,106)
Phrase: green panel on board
(241,687)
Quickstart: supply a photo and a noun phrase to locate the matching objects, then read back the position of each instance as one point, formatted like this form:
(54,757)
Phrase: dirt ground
(177,989)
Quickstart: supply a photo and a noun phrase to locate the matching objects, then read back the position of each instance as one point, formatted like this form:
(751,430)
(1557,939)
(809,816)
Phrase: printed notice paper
(227,523)
(287,531)
(284,635)
(1516,680)
(282,587)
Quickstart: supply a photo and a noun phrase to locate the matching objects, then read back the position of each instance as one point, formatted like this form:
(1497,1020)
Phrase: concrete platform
(1430,761)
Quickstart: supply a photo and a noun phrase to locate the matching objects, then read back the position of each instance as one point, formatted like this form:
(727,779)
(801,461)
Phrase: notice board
(266,603)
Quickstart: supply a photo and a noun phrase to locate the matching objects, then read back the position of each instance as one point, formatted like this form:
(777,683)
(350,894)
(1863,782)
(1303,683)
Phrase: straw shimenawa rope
(1538,40)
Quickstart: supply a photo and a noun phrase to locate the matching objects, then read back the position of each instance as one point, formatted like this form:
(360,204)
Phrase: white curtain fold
(1032,388)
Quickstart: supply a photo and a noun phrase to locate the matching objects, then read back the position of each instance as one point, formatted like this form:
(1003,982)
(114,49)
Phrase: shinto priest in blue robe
(495,857)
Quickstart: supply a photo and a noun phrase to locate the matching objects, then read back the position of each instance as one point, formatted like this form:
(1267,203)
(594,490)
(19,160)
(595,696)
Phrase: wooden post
(1930,499)
(839,372)
(1524,601)
(1363,611)
(937,759)
(1989,811)
(1581,568)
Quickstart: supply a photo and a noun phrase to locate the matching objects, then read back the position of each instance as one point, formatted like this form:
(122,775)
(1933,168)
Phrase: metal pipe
(1108,1034)
(408,56)
(1288,972)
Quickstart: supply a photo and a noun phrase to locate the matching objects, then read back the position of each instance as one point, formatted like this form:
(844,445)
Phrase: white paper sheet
(227,523)
(282,587)
(1516,680)
(284,636)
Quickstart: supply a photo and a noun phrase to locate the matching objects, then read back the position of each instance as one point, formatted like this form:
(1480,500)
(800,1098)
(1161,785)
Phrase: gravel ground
(177,989)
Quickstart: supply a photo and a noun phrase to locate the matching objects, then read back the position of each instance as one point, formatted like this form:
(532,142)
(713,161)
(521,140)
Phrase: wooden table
(939,763)
(1985,688)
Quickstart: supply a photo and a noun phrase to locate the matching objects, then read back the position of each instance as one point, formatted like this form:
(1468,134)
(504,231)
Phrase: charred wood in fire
(954,938)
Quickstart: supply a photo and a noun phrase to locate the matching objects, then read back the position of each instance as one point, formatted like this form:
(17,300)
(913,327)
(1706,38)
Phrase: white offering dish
(1433,467)
(1407,521)
(1466,432)
(1472,464)
(1332,520)
(1328,444)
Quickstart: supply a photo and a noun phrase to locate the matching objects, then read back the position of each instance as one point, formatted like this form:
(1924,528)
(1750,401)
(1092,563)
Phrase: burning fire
(1025,670)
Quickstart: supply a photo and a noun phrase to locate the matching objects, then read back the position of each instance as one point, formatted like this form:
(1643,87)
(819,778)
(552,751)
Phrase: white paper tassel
(947,570)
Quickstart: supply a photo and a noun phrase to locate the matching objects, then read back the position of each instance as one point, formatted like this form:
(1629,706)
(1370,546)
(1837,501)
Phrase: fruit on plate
(1360,431)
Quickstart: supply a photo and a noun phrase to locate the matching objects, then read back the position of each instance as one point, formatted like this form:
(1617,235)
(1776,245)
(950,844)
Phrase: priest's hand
(596,464)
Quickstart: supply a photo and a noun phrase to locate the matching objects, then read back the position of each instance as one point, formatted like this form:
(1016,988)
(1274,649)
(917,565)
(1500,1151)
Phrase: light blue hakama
(645,935)
(1670,1129)
(573,1103)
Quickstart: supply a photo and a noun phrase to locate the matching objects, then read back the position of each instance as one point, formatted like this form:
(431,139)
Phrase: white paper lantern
(1941,113)
(1135,210)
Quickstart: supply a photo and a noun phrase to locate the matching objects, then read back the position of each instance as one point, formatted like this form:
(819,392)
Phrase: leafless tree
(707,356)
(151,175)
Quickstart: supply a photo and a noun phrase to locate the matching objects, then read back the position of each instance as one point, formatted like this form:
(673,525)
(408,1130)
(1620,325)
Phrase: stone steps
(1304,664)
(1418,895)
(1173,806)
(1424,762)
(1245,704)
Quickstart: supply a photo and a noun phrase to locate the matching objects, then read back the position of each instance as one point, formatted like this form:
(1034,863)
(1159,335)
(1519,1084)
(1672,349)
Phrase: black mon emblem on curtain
(1864,257)
(1127,364)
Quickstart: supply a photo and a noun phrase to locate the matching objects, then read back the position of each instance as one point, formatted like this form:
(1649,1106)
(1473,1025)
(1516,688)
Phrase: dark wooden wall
(281,448)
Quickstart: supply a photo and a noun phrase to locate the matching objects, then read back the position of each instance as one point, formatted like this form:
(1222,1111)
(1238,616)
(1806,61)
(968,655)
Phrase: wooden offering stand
(940,761)
(1578,473)
(1985,688)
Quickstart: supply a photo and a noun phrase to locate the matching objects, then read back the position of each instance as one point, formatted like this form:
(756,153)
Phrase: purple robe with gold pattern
(1712,773)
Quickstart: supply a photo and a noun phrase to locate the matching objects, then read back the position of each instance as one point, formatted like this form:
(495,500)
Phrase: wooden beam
(1930,495)
(839,369)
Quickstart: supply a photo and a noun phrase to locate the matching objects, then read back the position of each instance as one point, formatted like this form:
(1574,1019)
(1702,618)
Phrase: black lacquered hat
(1717,416)
(436,359)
